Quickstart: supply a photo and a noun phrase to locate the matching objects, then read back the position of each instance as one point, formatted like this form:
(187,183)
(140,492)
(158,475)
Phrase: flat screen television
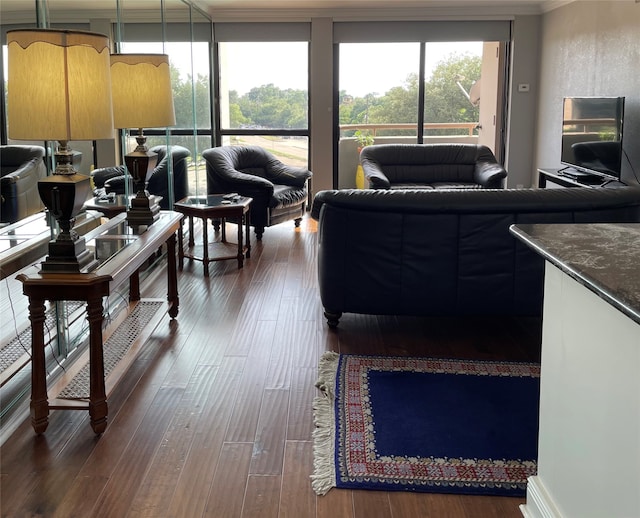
(592,136)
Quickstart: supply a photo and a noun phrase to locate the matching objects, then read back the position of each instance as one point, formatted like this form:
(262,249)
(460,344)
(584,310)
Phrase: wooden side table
(220,207)
(130,252)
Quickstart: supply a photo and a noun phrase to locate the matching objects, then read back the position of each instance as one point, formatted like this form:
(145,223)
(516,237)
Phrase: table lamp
(59,89)
(142,98)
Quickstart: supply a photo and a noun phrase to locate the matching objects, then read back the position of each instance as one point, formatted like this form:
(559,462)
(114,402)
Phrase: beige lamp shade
(142,95)
(59,85)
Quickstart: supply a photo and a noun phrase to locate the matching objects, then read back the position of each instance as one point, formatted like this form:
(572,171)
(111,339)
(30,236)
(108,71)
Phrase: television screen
(592,134)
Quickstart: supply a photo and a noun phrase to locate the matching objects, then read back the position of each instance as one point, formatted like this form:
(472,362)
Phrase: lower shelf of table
(123,340)
(217,251)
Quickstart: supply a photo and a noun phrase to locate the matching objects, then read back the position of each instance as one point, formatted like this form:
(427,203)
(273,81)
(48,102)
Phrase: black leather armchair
(279,191)
(112,179)
(21,167)
(431,166)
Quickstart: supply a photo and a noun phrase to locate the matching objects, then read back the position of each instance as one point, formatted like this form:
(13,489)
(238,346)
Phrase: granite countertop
(604,257)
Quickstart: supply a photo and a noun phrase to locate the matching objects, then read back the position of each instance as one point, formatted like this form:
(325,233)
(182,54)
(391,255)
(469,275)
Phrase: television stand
(568,177)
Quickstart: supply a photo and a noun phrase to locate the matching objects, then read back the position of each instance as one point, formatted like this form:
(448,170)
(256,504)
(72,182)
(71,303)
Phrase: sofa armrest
(488,172)
(373,173)
(35,166)
(116,184)
(283,174)
(100,176)
(490,175)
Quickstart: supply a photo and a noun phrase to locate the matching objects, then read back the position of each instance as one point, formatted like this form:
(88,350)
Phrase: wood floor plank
(246,410)
(229,482)
(194,482)
(158,486)
(428,505)
(271,433)
(125,480)
(262,498)
(371,504)
(337,502)
(297,499)
(303,390)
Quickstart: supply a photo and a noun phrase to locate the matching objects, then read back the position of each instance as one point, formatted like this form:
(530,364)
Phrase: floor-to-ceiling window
(189,47)
(417,82)
(263,88)
(189,63)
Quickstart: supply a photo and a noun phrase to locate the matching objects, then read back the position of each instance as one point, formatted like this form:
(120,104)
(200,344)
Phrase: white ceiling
(77,9)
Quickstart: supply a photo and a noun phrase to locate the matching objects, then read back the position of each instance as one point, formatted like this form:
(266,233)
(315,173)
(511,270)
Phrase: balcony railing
(469,127)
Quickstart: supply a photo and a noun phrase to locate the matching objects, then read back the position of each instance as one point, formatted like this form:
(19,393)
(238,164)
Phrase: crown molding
(402,11)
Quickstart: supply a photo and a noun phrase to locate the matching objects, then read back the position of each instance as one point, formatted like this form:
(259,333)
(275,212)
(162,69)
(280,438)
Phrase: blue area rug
(425,424)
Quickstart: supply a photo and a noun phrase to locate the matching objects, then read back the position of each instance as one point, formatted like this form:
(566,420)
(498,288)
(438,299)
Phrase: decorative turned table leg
(97,394)
(39,402)
(172,277)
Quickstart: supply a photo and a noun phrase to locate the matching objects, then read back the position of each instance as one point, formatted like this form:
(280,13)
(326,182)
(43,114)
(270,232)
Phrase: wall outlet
(523,87)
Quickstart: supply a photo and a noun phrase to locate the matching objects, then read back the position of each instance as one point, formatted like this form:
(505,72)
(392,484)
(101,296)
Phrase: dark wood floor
(215,419)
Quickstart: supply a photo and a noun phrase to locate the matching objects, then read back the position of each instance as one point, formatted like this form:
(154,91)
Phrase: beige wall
(522,105)
(589,48)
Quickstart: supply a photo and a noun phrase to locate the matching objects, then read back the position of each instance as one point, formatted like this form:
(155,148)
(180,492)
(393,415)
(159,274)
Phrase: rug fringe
(324,472)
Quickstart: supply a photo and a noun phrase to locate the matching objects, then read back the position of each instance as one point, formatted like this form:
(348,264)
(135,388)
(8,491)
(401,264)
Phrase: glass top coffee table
(217,207)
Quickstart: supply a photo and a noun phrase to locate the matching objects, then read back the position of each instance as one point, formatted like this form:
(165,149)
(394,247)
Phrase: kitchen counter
(603,257)
(589,428)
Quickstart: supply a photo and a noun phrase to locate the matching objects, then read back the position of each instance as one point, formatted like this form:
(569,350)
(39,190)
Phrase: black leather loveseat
(431,166)
(428,253)
(20,169)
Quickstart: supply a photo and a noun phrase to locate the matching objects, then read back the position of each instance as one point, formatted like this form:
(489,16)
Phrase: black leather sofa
(20,169)
(112,179)
(279,191)
(450,253)
(431,166)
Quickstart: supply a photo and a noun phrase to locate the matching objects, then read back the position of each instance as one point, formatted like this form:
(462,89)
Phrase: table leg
(247,235)
(172,277)
(39,402)
(191,241)
(180,247)
(134,287)
(98,409)
(205,248)
(240,242)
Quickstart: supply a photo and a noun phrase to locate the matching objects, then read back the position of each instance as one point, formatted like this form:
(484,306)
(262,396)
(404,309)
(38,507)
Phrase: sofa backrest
(446,252)
(426,163)
(13,156)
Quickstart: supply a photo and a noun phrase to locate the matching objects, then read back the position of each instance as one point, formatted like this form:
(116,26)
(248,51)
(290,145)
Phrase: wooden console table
(121,253)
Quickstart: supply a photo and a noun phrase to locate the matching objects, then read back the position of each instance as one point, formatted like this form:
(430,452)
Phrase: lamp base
(64,195)
(143,211)
(67,256)
(140,164)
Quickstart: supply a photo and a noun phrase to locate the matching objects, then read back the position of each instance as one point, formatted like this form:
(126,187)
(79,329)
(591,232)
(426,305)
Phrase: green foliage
(445,102)
(364,138)
(269,106)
